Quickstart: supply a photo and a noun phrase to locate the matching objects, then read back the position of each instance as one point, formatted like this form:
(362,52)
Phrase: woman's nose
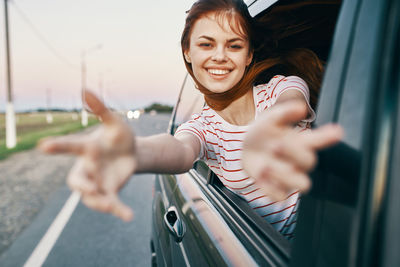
(219,55)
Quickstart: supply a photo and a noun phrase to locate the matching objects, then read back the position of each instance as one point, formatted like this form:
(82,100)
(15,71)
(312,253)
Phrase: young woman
(244,133)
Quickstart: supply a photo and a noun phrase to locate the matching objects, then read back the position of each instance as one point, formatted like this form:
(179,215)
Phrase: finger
(298,181)
(121,210)
(294,152)
(78,180)
(97,201)
(271,189)
(267,168)
(64,144)
(282,175)
(108,204)
(287,113)
(123,167)
(253,162)
(324,136)
(98,108)
(92,161)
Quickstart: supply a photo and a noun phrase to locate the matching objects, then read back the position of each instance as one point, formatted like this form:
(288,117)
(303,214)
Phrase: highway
(86,237)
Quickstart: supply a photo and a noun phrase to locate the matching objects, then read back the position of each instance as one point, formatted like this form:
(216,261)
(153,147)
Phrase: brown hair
(277,50)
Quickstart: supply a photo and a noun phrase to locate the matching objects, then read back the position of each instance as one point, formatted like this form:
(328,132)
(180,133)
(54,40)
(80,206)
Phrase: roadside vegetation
(160,108)
(31,127)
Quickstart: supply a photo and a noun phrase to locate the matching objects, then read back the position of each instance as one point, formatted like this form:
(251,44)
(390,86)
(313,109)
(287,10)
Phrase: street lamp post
(49,116)
(84,114)
(11,133)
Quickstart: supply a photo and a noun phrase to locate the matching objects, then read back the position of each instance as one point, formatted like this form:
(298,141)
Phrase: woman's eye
(205,45)
(236,46)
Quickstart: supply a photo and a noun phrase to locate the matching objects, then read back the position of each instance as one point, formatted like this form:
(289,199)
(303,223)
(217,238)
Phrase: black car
(351,217)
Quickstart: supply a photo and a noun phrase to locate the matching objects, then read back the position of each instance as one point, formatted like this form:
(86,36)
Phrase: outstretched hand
(278,156)
(106,159)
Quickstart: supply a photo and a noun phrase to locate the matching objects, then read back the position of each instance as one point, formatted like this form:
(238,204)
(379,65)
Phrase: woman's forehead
(214,22)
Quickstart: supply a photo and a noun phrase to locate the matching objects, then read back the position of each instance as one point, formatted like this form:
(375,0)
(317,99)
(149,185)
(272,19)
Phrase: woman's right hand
(278,156)
(105,160)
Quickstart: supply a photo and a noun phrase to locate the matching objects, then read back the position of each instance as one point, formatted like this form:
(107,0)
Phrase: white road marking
(42,250)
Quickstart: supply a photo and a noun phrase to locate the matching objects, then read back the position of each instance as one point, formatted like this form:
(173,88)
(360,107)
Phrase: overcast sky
(139,63)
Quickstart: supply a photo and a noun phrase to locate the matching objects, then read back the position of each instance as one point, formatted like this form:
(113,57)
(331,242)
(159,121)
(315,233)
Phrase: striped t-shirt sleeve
(283,84)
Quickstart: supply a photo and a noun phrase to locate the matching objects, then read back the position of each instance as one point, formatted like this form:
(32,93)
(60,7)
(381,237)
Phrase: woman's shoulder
(206,116)
(201,123)
(278,82)
(265,95)
(262,90)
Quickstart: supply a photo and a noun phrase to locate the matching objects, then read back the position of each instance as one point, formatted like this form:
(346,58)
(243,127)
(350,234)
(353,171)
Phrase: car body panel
(202,222)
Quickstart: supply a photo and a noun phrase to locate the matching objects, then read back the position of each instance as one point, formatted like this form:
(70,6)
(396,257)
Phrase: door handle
(174,224)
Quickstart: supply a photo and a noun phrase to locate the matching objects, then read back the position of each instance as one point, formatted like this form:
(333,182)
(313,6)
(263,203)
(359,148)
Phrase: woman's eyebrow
(235,39)
(229,41)
(207,37)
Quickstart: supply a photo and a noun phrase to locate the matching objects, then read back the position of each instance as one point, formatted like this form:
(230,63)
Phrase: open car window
(322,37)
(190,101)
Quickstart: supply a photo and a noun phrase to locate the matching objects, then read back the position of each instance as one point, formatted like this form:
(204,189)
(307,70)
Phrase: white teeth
(218,71)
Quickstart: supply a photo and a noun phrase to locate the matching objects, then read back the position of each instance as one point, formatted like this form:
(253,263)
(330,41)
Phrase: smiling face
(217,54)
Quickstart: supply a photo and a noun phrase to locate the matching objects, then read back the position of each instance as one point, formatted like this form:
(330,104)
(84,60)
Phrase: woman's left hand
(278,156)
(106,159)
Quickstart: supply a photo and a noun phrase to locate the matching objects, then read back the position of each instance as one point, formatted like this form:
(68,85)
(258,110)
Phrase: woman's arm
(296,95)
(165,153)
(291,95)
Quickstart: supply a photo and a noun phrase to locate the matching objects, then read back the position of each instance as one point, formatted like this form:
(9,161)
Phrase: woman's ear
(249,58)
(187,57)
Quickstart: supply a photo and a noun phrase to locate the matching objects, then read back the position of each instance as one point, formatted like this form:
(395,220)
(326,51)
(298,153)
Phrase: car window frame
(255,233)
(391,221)
(377,208)
(261,226)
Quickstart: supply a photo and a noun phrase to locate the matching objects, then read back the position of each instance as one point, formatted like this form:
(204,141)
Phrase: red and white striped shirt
(221,148)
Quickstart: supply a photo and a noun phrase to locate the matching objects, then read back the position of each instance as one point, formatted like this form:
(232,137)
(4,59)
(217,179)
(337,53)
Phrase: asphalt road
(90,238)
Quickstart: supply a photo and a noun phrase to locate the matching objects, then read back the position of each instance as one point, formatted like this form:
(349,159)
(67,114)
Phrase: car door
(349,218)
(203,237)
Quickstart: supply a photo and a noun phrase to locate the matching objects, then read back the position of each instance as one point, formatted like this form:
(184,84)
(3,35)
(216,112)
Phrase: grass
(31,127)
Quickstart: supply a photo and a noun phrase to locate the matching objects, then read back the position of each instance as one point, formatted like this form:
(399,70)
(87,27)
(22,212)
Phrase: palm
(111,151)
